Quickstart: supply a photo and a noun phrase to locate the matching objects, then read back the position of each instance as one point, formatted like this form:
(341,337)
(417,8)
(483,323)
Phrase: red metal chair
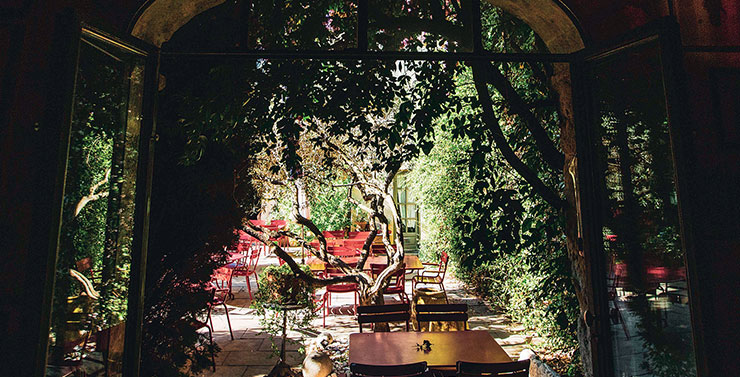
(218,298)
(344,252)
(397,284)
(338,288)
(434,276)
(358,235)
(247,270)
(333,234)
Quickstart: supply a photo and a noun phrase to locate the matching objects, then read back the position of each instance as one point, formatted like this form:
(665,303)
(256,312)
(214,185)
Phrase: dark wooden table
(393,348)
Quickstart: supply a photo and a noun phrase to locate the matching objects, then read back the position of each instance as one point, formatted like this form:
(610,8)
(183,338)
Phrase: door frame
(666,33)
(68,34)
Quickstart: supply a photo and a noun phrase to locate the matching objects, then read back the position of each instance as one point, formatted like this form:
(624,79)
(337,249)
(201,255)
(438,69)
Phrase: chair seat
(393,290)
(427,279)
(341,288)
(243,272)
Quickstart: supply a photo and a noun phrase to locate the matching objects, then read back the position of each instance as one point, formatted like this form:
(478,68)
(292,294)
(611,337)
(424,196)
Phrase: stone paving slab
(249,353)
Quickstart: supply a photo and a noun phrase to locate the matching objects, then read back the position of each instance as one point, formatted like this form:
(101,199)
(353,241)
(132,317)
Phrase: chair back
(218,291)
(333,233)
(512,369)
(358,235)
(443,260)
(405,370)
(278,224)
(442,313)
(397,279)
(354,244)
(254,257)
(384,313)
(221,277)
(343,252)
(257,222)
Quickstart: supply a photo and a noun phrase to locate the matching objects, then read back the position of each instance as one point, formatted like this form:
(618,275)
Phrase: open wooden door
(96,269)
(635,228)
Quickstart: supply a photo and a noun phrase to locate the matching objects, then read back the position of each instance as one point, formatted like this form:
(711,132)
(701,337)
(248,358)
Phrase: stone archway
(162,18)
(159,21)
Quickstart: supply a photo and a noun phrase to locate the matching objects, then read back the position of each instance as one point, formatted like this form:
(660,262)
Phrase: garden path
(250,353)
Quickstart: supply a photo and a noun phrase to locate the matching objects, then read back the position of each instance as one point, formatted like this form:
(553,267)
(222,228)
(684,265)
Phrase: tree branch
(552,155)
(264,235)
(502,144)
(92,196)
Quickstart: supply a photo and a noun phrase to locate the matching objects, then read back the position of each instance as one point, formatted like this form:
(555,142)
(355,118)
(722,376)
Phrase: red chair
(278,224)
(354,244)
(344,252)
(397,284)
(218,297)
(247,270)
(328,234)
(435,275)
(221,279)
(338,288)
(358,235)
(257,222)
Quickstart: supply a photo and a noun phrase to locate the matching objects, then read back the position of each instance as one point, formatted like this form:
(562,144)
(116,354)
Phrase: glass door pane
(647,292)
(90,299)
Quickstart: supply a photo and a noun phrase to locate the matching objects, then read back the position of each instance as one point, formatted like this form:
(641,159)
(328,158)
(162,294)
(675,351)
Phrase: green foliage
(476,206)
(330,209)
(508,244)
(279,287)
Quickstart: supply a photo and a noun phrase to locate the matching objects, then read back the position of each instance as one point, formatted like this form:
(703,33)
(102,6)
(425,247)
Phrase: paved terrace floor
(250,353)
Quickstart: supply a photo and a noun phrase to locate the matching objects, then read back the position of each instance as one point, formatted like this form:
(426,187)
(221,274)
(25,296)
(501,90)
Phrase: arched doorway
(160,29)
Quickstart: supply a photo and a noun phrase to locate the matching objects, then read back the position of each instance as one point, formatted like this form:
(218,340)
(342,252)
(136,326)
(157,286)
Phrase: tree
(370,167)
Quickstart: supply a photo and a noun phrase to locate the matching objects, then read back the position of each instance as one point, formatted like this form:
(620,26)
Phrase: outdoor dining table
(394,348)
(412,262)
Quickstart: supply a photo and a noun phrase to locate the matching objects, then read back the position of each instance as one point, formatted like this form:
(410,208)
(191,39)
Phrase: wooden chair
(435,275)
(397,283)
(442,313)
(405,370)
(512,369)
(383,313)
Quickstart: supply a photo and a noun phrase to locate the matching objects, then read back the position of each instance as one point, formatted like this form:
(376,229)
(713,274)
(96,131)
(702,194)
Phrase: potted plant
(283,293)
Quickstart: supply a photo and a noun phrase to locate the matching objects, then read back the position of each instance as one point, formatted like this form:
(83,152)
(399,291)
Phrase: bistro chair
(405,370)
(383,313)
(442,313)
(358,235)
(247,270)
(338,288)
(221,279)
(354,245)
(329,234)
(511,369)
(343,252)
(434,276)
(218,298)
(397,283)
